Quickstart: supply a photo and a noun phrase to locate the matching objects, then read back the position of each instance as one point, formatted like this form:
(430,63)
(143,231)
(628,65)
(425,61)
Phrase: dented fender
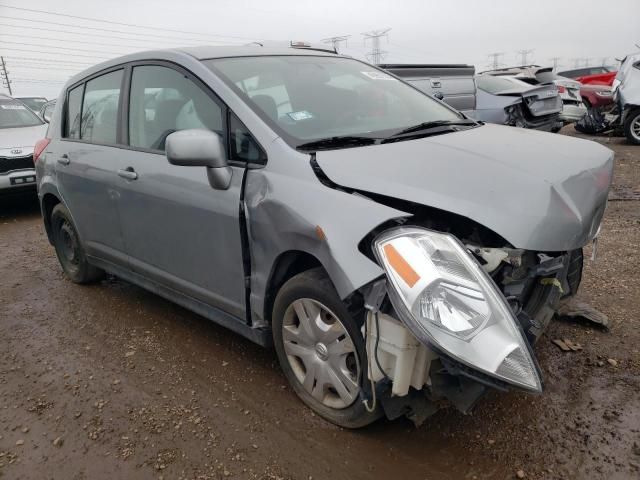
(289,209)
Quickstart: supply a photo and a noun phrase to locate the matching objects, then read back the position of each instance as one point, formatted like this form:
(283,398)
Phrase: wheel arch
(286,265)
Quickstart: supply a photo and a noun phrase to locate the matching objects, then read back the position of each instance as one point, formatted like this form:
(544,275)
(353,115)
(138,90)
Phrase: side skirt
(261,336)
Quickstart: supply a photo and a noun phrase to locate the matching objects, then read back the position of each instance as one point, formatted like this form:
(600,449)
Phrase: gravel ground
(110,381)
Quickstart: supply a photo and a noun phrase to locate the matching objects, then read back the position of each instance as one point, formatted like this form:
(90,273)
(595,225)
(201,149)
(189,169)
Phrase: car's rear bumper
(572,112)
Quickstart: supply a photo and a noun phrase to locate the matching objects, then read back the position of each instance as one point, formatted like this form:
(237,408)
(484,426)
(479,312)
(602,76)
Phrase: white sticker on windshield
(13,107)
(300,115)
(375,75)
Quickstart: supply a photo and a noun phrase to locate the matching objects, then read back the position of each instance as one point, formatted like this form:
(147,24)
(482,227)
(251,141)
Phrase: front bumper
(572,112)
(418,376)
(18,181)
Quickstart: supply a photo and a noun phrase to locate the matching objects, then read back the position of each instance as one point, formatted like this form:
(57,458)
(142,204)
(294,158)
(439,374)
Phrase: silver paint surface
(538,190)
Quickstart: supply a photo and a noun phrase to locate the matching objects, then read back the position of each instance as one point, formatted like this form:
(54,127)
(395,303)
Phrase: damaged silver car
(626,95)
(511,101)
(397,254)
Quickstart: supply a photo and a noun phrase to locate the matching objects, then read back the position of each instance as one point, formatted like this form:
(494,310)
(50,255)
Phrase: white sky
(444,31)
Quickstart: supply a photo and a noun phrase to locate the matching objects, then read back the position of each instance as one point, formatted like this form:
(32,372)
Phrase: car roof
(202,53)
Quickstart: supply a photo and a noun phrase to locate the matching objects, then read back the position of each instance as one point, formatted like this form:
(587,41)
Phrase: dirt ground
(109,381)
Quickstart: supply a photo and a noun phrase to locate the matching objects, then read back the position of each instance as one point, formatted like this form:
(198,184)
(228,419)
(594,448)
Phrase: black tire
(315,285)
(69,249)
(633,118)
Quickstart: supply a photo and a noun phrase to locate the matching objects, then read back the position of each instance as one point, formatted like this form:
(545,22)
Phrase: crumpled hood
(539,191)
(23,138)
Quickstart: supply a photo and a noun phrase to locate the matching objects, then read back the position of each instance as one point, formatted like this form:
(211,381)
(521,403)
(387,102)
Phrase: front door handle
(64,159)
(129,173)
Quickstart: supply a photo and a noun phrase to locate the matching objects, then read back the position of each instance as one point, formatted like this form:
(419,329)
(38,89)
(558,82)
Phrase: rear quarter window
(72,117)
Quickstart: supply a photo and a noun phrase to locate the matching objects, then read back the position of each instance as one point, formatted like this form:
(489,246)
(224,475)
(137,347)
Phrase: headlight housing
(446,299)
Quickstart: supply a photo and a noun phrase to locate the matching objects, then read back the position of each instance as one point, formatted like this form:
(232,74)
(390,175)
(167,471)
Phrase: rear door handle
(129,173)
(64,159)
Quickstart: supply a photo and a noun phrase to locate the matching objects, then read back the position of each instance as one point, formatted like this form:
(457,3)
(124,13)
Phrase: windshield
(492,84)
(34,103)
(306,98)
(14,114)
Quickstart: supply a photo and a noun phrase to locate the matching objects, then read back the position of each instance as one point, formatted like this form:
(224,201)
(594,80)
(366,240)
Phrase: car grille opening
(8,164)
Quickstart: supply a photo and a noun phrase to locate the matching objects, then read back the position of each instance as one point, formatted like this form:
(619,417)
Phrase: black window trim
(249,164)
(122,135)
(124,124)
(83,82)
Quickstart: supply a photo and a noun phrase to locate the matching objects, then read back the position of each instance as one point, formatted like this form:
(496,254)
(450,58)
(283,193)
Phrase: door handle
(129,173)
(64,159)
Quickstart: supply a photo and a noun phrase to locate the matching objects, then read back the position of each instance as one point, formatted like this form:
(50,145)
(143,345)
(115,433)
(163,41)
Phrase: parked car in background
(34,103)
(506,100)
(597,96)
(626,89)
(398,255)
(20,129)
(46,111)
(453,83)
(573,108)
(601,75)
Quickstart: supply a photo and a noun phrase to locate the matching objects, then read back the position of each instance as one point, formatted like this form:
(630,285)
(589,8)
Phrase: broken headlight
(446,299)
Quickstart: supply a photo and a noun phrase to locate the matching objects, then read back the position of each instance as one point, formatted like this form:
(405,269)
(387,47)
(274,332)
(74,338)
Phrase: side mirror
(200,148)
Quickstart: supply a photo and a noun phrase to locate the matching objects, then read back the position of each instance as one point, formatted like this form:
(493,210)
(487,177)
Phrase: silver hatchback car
(394,252)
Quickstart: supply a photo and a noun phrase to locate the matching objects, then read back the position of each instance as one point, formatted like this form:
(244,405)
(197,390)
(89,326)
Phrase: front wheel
(320,349)
(69,250)
(632,126)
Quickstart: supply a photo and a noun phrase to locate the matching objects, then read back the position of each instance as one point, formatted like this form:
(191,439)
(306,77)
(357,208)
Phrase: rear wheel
(632,126)
(69,250)
(320,348)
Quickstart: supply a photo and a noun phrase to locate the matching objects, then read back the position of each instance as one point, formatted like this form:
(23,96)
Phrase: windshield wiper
(337,142)
(433,124)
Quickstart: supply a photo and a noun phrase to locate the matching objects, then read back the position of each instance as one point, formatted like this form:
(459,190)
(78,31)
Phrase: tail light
(39,148)
(561,89)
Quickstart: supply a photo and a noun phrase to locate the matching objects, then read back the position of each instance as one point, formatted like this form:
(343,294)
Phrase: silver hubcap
(321,353)
(635,128)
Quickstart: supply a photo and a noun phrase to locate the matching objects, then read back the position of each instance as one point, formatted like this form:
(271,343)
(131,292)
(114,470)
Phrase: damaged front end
(450,320)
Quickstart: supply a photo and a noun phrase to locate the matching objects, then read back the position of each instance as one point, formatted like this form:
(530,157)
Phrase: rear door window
(100,108)
(163,101)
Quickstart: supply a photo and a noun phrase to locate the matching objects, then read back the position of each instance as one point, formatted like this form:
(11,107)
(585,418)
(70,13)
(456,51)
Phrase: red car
(594,95)
(591,75)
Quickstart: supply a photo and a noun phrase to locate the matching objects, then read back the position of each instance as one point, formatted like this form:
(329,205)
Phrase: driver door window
(164,101)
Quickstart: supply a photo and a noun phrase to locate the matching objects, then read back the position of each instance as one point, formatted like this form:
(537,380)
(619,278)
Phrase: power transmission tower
(336,41)
(556,62)
(376,55)
(5,75)
(495,59)
(524,56)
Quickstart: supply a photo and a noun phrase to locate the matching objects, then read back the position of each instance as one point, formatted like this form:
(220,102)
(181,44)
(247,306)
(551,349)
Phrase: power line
(67,40)
(66,32)
(524,56)
(376,55)
(47,60)
(61,48)
(495,59)
(137,34)
(556,62)
(55,53)
(336,41)
(4,75)
(54,68)
(162,29)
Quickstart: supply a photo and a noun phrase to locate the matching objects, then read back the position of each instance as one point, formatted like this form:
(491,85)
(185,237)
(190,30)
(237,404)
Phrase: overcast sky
(42,50)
